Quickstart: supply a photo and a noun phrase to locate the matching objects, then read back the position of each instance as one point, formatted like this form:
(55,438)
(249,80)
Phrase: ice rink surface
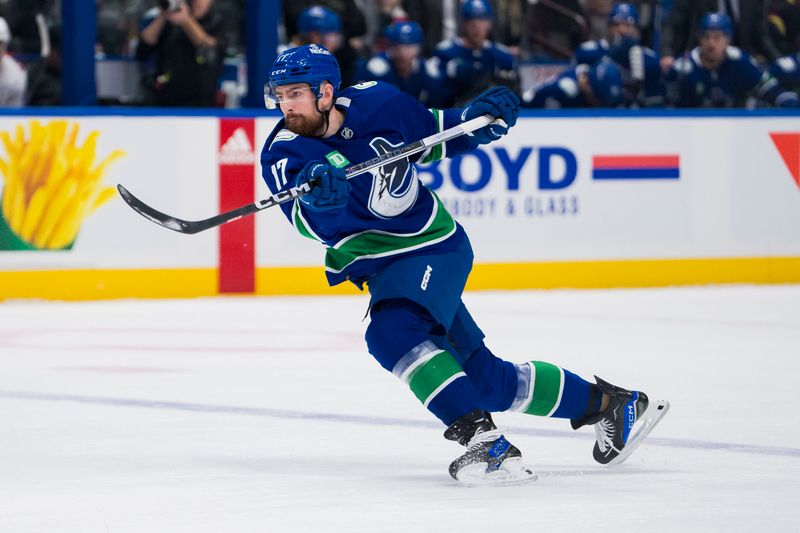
(268,414)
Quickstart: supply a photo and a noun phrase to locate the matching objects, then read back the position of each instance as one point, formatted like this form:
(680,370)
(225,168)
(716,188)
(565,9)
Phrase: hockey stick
(195,226)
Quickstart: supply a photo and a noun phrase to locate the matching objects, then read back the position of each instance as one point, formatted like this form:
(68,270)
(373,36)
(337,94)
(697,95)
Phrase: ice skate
(490,459)
(614,426)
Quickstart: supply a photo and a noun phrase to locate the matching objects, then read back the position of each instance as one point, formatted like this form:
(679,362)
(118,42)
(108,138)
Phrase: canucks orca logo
(394,186)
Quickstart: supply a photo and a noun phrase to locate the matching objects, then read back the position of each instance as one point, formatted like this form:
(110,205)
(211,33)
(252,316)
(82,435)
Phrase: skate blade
(511,472)
(651,418)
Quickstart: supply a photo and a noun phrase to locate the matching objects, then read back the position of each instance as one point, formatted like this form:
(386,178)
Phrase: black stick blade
(175,224)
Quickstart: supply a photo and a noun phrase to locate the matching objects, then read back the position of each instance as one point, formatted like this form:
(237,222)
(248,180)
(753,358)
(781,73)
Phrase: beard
(306,126)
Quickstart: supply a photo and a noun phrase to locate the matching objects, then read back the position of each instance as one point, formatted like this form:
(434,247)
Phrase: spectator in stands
(184,38)
(12,76)
(402,66)
(716,74)
(749,27)
(786,70)
(641,74)
(472,63)
(599,85)
(322,26)
(44,75)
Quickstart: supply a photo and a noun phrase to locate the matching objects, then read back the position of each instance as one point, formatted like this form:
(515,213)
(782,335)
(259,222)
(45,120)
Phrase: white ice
(268,414)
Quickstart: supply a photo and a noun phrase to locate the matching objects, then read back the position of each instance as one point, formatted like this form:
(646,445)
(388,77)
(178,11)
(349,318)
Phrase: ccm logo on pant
(426,277)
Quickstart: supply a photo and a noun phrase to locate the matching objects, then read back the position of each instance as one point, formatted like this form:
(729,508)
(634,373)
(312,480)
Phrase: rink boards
(608,200)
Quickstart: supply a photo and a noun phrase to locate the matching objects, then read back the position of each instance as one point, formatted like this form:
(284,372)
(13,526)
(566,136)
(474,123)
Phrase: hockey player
(599,85)
(716,74)
(471,63)
(402,66)
(641,71)
(787,71)
(390,232)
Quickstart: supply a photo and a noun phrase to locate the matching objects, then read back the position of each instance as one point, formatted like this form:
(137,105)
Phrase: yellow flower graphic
(52,184)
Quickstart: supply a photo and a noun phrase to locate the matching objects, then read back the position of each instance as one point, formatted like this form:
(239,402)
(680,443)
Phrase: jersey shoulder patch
(370,99)
(378,66)
(500,47)
(287,143)
(683,65)
(786,64)
(432,67)
(568,86)
(372,91)
(364,85)
(734,53)
(445,45)
(283,136)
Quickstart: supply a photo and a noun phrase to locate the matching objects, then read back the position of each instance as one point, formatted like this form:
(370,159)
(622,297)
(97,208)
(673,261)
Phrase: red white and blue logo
(636,167)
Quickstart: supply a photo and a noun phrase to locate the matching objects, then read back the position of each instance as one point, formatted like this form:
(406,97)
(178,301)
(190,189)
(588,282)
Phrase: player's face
(623,29)
(298,107)
(405,54)
(713,45)
(477,30)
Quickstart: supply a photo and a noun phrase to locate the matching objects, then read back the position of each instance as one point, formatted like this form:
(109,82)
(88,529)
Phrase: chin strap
(324,116)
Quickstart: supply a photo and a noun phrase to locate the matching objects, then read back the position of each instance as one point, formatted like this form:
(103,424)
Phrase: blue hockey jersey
(390,213)
(641,72)
(690,84)
(563,91)
(464,70)
(424,82)
(787,71)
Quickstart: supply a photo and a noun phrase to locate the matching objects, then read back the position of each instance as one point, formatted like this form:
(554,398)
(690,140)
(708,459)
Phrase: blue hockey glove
(499,102)
(331,188)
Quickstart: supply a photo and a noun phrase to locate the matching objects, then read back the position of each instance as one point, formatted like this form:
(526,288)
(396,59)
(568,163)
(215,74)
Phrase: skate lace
(605,433)
(484,437)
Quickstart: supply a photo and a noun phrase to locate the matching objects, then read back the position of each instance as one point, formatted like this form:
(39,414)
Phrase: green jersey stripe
(303,227)
(438,152)
(547,388)
(373,244)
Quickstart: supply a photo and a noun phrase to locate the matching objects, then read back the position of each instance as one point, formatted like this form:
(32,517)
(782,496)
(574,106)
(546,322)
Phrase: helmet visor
(281,94)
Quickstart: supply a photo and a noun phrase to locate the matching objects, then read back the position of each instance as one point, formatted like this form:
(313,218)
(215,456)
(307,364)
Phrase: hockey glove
(330,186)
(498,102)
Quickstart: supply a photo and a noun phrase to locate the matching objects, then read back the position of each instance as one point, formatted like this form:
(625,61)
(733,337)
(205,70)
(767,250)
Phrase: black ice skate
(490,459)
(616,439)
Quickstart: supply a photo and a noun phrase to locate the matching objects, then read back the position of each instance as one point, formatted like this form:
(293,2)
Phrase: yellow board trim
(108,284)
(634,273)
(186,283)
